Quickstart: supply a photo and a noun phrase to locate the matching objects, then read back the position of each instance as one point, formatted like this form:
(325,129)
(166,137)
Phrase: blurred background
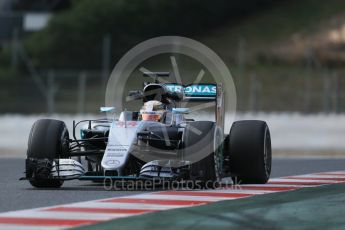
(286,57)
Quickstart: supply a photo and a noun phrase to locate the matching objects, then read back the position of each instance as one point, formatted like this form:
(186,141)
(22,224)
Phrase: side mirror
(135,95)
(107,109)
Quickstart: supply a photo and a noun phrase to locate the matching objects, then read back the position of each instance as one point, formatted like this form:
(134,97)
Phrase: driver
(153,111)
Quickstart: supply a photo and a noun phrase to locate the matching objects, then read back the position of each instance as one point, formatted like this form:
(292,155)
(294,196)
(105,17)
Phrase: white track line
(274,185)
(321,176)
(241,190)
(304,181)
(26,227)
(64,215)
(124,206)
(180,197)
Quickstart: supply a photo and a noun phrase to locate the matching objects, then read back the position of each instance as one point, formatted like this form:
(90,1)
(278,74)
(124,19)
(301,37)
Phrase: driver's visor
(151,116)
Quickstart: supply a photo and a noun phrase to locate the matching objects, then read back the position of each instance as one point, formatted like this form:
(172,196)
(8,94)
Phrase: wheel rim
(64,142)
(267,153)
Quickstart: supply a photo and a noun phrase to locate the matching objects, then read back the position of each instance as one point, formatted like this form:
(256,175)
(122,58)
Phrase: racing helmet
(152,111)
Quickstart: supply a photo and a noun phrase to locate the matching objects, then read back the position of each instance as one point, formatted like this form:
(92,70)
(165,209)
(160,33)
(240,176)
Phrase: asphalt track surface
(17,194)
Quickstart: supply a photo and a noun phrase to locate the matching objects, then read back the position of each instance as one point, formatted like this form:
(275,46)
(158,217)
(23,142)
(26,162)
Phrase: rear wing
(195,92)
(203,92)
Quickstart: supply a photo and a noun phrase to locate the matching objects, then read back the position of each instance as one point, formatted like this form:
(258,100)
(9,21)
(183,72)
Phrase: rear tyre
(47,141)
(201,139)
(250,152)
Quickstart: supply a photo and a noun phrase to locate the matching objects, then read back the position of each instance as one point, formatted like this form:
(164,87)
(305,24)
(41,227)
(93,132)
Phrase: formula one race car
(156,142)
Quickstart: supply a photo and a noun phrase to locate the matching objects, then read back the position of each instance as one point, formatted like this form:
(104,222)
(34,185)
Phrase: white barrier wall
(318,132)
(289,131)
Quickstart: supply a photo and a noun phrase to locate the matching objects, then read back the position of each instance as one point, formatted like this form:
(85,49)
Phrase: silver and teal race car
(155,142)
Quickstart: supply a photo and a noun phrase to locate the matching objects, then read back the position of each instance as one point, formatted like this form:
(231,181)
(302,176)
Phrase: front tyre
(47,141)
(250,152)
